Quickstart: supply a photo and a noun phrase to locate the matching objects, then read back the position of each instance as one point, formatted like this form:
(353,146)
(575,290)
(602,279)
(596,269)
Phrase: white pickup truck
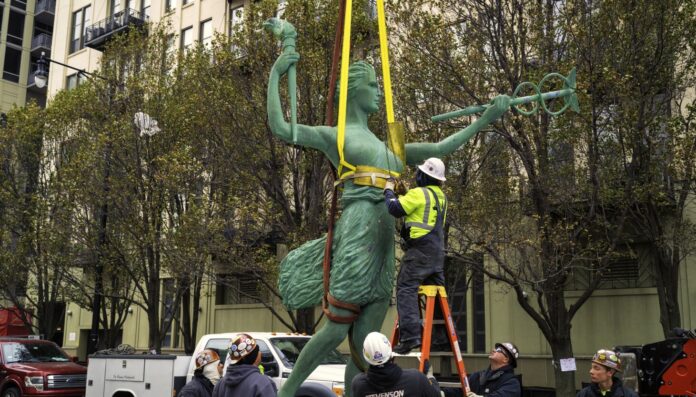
(279,351)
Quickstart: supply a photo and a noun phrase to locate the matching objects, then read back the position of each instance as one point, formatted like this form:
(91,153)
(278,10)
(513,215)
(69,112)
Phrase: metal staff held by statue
(568,94)
(284,31)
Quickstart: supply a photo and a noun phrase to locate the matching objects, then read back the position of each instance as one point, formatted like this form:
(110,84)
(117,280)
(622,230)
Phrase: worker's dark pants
(422,264)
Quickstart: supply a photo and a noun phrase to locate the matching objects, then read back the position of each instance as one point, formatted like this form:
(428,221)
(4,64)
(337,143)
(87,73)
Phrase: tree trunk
(667,281)
(51,314)
(153,313)
(562,347)
(305,320)
(154,338)
(187,331)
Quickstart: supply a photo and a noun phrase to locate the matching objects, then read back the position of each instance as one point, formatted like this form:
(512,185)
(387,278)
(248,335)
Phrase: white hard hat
(433,167)
(377,349)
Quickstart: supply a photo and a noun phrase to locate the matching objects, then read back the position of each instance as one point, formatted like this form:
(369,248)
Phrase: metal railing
(45,6)
(113,23)
(41,40)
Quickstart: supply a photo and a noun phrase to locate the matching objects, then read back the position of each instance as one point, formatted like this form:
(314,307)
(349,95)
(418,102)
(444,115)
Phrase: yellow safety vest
(421,212)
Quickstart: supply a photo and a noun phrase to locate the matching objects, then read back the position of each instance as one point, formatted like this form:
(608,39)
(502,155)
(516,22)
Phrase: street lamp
(41,74)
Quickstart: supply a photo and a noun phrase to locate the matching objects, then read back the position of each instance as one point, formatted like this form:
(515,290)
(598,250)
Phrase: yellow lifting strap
(395,129)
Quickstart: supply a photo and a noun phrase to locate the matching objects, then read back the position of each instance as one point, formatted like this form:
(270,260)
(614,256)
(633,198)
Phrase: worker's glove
(472,394)
(400,188)
(391,183)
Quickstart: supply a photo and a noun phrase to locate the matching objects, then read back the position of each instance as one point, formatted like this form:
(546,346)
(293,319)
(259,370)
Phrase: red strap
(329,299)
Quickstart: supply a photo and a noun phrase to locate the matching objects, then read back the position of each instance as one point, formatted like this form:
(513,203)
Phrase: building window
(206,33)
(80,21)
(169,314)
(236,19)
(115,7)
(13,60)
(145,9)
(186,37)
(130,5)
(171,45)
(479,307)
(73,80)
(457,284)
(19,4)
(629,270)
(237,288)
(169,5)
(15,29)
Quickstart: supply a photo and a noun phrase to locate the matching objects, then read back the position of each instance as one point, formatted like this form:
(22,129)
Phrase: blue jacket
(245,380)
(199,386)
(617,390)
(499,383)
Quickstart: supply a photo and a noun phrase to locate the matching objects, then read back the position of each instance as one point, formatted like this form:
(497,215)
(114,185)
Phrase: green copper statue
(363,263)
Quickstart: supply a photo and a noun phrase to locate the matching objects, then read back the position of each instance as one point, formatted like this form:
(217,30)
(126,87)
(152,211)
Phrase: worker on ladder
(425,208)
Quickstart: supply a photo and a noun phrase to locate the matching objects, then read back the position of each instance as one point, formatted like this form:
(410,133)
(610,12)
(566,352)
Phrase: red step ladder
(431,293)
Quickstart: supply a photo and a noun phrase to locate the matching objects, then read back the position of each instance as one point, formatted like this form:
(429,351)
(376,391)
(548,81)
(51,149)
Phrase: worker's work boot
(406,346)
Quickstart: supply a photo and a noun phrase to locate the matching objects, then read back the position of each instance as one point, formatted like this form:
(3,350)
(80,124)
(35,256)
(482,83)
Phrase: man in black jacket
(243,378)
(605,365)
(499,379)
(206,375)
(386,379)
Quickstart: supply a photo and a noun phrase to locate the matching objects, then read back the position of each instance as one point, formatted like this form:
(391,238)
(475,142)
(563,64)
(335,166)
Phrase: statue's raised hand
(284,62)
(498,106)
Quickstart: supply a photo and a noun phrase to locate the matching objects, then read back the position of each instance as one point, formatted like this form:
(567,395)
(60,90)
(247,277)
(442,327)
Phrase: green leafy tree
(641,69)
(35,249)
(538,195)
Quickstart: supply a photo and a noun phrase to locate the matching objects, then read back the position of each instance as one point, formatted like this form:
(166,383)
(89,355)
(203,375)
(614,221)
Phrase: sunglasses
(501,350)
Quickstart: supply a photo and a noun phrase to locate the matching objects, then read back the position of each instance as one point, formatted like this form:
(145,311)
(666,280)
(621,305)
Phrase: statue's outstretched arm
(318,137)
(417,152)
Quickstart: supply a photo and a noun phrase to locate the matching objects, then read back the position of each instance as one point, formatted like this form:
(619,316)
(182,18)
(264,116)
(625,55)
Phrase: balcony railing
(97,35)
(41,42)
(45,11)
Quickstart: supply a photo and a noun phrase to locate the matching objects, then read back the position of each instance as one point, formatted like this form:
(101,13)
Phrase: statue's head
(363,88)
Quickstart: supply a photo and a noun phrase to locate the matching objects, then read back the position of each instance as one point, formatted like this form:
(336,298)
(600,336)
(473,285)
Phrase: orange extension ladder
(431,293)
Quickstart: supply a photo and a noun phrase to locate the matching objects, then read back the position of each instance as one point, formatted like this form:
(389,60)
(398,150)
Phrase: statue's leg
(329,337)
(370,320)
